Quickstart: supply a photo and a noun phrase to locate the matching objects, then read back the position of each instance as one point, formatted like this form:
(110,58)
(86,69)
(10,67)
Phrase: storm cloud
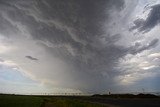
(71,41)
(138,47)
(152,20)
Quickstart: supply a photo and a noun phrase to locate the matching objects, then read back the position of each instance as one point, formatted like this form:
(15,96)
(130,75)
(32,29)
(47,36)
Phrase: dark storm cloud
(151,21)
(6,27)
(75,31)
(138,47)
(82,18)
(82,29)
(31,58)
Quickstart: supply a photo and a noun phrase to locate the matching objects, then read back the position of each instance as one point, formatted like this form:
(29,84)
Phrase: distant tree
(109,93)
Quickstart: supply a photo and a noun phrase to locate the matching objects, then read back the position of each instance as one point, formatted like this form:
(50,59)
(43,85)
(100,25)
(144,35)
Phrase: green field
(20,101)
(114,100)
(40,101)
(67,102)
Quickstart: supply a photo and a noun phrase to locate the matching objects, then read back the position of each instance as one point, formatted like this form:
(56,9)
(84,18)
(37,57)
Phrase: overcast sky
(88,46)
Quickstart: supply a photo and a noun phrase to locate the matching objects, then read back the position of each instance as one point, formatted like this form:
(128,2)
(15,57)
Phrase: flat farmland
(20,101)
(78,101)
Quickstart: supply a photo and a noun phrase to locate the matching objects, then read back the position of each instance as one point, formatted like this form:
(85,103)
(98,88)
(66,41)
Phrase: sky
(79,46)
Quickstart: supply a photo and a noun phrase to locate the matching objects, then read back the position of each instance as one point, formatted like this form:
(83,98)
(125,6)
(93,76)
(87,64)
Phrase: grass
(75,101)
(20,101)
(66,102)
(39,101)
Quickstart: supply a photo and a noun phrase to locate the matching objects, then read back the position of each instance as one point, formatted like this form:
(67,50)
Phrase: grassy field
(40,101)
(20,101)
(66,102)
(115,100)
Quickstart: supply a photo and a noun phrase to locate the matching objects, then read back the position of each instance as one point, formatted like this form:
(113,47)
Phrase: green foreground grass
(65,102)
(20,101)
(39,101)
